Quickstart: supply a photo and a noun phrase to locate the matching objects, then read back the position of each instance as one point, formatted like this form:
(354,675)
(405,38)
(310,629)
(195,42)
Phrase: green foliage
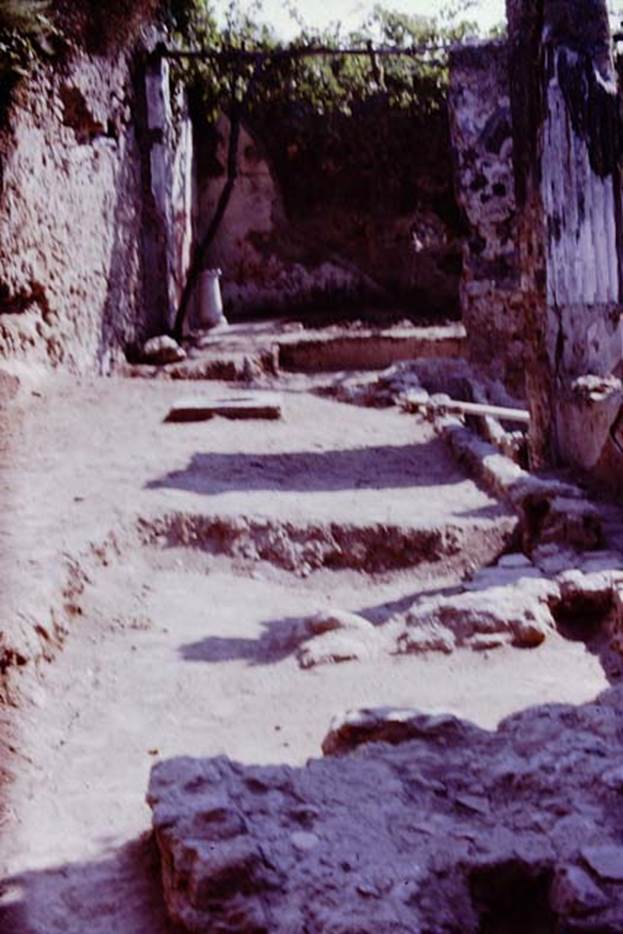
(499,31)
(25,32)
(325,84)
(362,128)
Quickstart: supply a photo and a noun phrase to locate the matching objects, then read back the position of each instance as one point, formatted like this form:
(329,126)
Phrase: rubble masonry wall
(83,236)
(482,139)
(565,98)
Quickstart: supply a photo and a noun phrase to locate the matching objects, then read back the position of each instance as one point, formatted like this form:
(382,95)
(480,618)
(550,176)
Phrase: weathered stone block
(470,826)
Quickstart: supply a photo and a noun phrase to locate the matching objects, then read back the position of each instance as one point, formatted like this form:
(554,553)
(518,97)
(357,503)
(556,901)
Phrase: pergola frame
(424,53)
(260,60)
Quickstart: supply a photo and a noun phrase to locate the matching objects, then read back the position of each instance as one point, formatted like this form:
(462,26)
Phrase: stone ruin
(537,131)
(422,823)
(409,822)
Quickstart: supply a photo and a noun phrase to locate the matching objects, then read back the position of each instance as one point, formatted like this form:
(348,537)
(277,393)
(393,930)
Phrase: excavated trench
(263,580)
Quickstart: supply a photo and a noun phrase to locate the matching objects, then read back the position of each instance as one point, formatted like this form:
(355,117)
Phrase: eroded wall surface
(566,114)
(482,139)
(88,258)
(264,265)
(275,259)
(168,193)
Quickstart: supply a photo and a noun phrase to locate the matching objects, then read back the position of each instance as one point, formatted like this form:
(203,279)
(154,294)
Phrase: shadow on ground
(120,893)
(488,822)
(435,825)
(375,468)
(280,638)
(283,637)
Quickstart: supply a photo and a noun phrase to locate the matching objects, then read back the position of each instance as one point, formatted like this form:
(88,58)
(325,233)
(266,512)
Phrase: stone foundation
(441,827)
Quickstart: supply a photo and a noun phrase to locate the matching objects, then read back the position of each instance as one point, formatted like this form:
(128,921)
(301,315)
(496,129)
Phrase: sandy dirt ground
(175,651)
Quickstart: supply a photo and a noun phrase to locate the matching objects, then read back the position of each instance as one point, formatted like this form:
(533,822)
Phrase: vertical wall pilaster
(481,132)
(167,167)
(566,125)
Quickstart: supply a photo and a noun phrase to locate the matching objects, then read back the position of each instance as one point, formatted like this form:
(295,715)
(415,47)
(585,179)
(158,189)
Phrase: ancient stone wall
(274,257)
(566,117)
(481,126)
(84,241)
(263,266)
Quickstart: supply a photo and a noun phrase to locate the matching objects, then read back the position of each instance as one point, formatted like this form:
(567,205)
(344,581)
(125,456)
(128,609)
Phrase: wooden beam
(422,52)
(473,408)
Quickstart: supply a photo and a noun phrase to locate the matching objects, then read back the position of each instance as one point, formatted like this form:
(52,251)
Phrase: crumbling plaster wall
(566,121)
(84,240)
(482,140)
(265,266)
(276,259)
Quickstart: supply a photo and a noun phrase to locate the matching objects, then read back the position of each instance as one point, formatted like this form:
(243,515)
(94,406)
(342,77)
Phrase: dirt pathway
(176,649)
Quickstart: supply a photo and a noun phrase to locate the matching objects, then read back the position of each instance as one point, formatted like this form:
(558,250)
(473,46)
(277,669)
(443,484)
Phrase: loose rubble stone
(376,391)
(332,620)
(304,841)
(513,602)
(575,894)
(337,636)
(332,647)
(162,350)
(606,861)
(427,637)
(520,612)
(500,606)
(470,825)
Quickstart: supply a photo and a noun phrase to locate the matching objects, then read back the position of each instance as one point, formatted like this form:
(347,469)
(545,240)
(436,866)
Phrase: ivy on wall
(26,33)
(352,129)
(335,122)
(324,85)
(35,31)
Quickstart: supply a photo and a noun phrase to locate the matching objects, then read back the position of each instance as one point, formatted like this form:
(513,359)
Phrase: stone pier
(566,121)
(482,139)
(537,137)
